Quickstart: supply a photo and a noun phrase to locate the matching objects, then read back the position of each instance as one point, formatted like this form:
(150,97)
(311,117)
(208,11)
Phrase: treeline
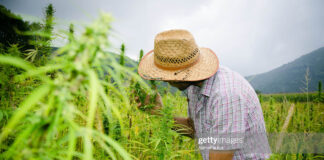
(31,41)
(293,97)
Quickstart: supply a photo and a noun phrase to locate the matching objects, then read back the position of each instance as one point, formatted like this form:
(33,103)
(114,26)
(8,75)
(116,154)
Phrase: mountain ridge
(289,77)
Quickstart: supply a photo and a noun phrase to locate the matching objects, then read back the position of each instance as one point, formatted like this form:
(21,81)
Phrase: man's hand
(157,102)
(184,126)
(221,155)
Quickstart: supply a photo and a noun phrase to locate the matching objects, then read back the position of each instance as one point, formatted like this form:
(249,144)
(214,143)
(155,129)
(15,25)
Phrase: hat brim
(206,66)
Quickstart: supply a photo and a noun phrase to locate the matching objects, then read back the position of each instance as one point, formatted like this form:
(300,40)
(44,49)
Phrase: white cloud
(252,36)
(249,36)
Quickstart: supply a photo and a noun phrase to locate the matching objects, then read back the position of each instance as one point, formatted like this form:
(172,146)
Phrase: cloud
(254,36)
(249,36)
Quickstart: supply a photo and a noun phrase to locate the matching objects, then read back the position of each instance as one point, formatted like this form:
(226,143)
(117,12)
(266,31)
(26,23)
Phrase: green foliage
(9,89)
(153,84)
(305,119)
(61,115)
(45,49)
(292,97)
(71,32)
(122,55)
(71,29)
(164,133)
(11,28)
(21,39)
(77,106)
(319,90)
(42,41)
(141,55)
(49,20)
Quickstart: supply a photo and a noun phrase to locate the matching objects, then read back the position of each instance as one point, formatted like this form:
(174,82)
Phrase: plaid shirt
(227,105)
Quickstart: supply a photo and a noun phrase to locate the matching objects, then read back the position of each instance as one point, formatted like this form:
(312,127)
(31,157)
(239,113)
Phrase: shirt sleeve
(225,122)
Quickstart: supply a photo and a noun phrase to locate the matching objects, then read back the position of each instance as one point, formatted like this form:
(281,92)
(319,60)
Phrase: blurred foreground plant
(62,118)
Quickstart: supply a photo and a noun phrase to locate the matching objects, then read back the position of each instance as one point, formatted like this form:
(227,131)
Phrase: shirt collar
(207,86)
(204,90)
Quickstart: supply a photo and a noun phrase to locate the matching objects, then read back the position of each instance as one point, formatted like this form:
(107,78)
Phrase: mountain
(291,77)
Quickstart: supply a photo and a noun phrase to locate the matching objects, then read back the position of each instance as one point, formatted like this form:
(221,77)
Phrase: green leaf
(115,145)
(15,61)
(93,99)
(38,71)
(24,108)
(1,115)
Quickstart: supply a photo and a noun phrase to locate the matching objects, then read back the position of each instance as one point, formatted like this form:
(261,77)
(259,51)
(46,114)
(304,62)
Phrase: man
(224,112)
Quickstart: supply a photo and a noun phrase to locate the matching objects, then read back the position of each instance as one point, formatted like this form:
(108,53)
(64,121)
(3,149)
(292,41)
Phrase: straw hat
(176,57)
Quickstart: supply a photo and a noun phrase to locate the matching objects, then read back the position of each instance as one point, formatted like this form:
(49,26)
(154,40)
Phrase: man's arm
(184,126)
(221,155)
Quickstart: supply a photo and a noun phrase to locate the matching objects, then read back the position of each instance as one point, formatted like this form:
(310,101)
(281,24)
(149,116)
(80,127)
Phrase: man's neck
(198,83)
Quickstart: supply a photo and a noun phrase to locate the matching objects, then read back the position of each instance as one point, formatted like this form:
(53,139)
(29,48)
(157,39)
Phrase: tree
(13,41)
(257,91)
(319,89)
(12,29)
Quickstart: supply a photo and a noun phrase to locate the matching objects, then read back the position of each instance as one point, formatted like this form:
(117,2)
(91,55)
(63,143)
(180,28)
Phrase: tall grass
(62,118)
(81,104)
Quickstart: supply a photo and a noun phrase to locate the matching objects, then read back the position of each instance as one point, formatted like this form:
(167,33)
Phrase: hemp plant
(62,117)
(164,132)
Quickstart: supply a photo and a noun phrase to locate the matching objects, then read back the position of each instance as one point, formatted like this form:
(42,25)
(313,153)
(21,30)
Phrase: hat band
(177,60)
(179,67)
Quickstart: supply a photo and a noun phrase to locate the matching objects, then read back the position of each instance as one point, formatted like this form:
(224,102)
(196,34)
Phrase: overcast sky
(249,36)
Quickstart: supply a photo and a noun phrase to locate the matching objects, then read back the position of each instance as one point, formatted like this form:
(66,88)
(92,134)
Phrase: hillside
(290,77)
